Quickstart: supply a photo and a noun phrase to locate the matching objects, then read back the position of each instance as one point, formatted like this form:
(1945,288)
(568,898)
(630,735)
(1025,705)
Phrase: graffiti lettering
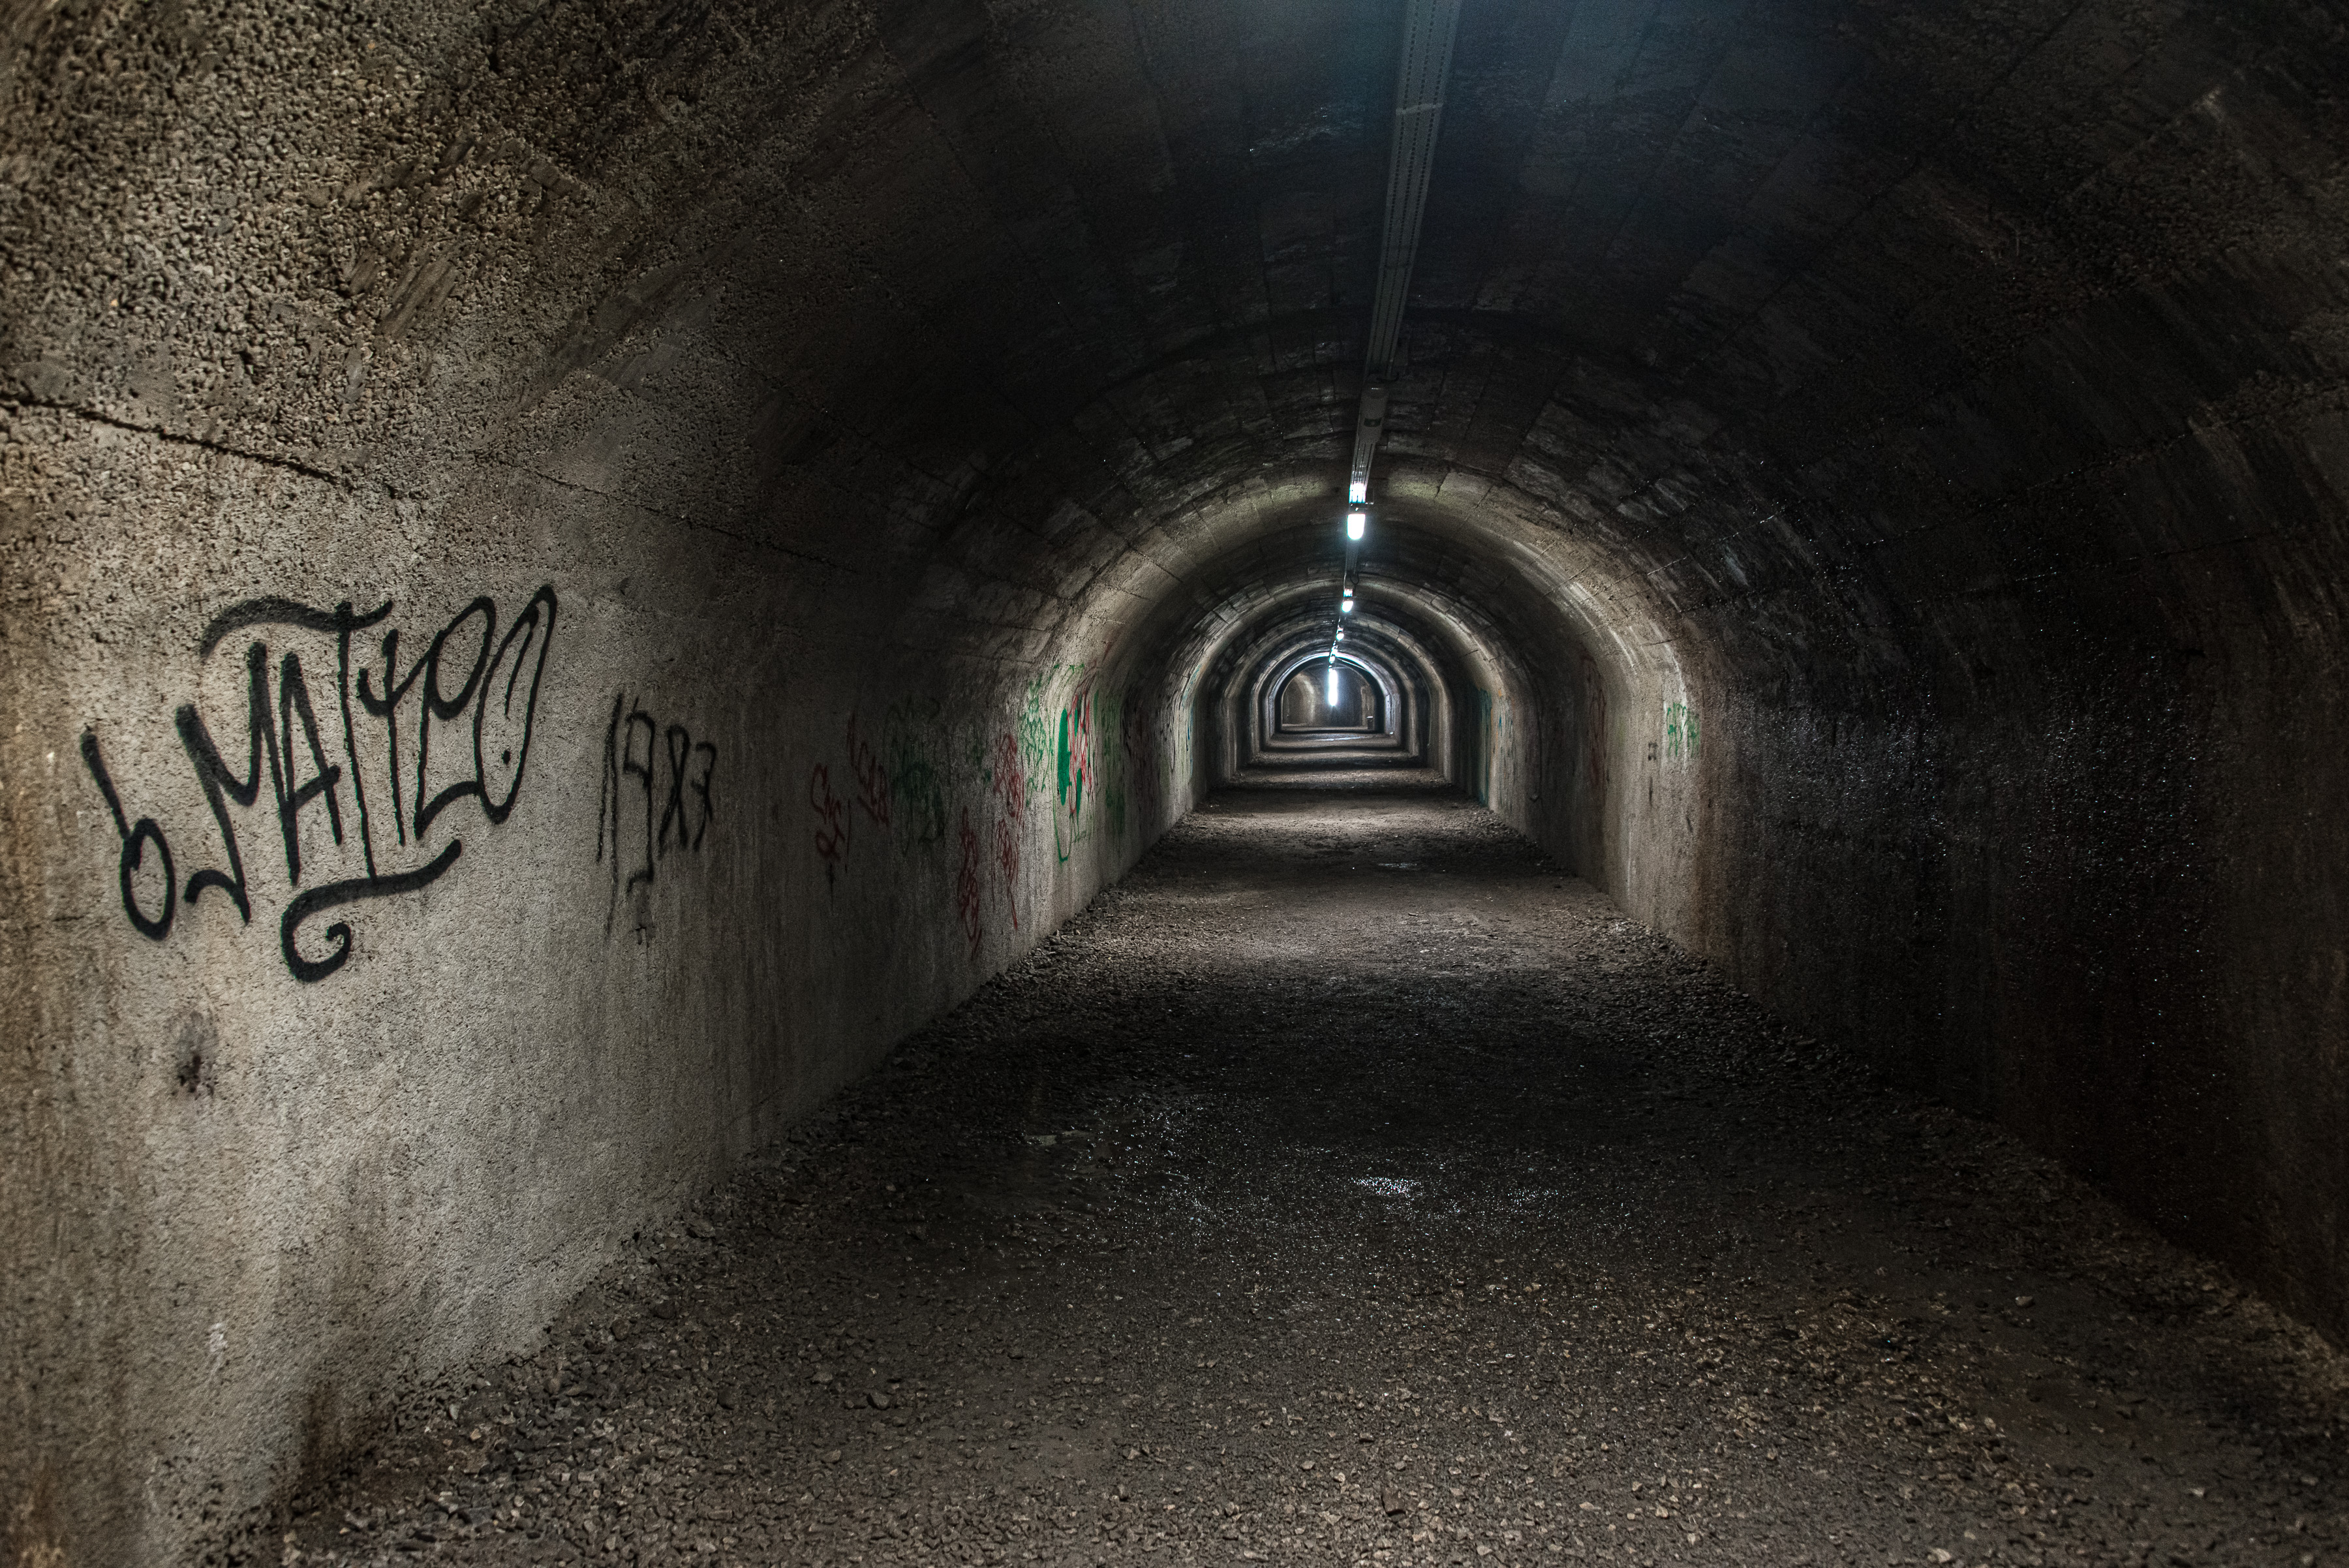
(1076,771)
(894,782)
(917,786)
(286,746)
(684,751)
(967,894)
(872,778)
(1010,788)
(1009,783)
(134,849)
(1006,860)
(1680,732)
(1035,735)
(832,821)
(673,774)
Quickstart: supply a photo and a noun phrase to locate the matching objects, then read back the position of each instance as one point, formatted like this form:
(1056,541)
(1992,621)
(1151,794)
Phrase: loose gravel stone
(1350,1184)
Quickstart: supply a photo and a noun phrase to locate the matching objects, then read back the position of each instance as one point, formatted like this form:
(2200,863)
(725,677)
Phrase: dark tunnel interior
(1346,699)
(1757,591)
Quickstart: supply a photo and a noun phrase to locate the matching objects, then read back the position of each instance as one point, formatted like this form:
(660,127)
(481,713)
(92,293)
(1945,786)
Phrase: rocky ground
(1349,1184)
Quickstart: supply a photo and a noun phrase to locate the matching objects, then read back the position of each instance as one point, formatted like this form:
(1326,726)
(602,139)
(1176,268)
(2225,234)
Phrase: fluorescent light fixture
(1333,683)
(1356,522)
(1346,606)
(1358,493)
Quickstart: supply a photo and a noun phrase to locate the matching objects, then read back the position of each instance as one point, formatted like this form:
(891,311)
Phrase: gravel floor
(1349,1185)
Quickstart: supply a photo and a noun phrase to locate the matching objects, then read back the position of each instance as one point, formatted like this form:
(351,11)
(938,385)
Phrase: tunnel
(1150,694)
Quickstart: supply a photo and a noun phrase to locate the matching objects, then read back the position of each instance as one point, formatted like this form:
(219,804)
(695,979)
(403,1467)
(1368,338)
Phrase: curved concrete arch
(1265,745)
(575,572)
(1235,681)
(1471,660)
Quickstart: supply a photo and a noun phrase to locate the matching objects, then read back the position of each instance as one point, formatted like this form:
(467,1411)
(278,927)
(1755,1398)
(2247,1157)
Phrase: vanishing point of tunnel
(1412,784)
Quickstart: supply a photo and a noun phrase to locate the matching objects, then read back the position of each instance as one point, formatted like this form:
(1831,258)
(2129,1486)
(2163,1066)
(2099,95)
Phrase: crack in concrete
(292,465)
(677,517)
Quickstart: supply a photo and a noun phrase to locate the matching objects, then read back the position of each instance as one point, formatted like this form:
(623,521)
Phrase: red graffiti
(872,777)
(1007,859)
(1010,782)
(831,818)
(1082,777)
(967,891)
(1009,787)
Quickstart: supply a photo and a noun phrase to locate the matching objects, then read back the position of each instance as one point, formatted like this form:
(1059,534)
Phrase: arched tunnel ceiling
(1419,636)
(1287,573)
(1902,362)
(923,410)
(1734,296)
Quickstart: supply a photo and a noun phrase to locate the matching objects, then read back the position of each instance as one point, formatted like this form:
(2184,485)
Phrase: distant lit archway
(1338,700)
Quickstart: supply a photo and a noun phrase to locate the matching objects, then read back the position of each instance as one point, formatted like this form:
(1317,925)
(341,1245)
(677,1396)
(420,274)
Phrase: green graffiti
(1109,757)
(917,780)
(1035,735)
(1680,732)
(1036,724)
(1084,762)
(1064,767)
(1485,746)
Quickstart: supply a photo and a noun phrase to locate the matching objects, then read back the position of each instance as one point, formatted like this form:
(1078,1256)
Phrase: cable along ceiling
(1428,29)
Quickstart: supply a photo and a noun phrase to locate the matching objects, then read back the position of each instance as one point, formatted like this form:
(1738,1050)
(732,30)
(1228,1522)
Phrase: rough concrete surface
(1350,1184)
(1864,484)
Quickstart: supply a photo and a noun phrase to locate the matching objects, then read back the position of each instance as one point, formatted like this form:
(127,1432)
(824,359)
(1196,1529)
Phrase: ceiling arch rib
(1268,743)
(1435,649)
(1869,479)
(1378,730)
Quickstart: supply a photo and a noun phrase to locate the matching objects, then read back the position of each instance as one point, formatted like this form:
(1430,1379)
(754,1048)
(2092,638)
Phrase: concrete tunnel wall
(1891,463)
(781,785)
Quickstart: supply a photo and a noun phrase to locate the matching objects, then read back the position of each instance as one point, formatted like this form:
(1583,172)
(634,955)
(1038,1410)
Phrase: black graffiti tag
(134,847)
(284,747)
(682,809)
